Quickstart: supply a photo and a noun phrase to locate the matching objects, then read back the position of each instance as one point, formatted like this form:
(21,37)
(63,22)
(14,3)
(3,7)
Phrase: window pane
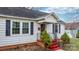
(16,28)
(25,28)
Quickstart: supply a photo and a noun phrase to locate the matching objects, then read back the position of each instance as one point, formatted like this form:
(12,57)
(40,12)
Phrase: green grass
(74,43)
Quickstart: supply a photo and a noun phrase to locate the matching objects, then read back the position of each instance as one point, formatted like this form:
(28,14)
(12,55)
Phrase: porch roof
(47,21)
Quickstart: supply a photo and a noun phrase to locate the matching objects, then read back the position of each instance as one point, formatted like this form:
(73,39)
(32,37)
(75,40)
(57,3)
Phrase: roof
(60,21)
(25,12)
(21,12)
(71,26)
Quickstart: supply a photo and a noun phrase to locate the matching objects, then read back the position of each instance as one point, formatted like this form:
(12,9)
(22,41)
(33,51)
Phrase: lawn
(74,45)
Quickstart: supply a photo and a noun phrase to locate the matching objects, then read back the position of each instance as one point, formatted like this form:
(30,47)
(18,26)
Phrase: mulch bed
(27,47)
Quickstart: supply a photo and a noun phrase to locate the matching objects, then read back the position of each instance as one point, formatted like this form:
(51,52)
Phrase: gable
(51,19)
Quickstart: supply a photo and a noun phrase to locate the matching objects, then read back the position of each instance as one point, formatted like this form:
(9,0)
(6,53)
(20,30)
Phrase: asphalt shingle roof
(21,12)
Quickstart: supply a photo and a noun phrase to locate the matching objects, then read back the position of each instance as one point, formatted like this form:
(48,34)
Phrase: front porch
(53,29)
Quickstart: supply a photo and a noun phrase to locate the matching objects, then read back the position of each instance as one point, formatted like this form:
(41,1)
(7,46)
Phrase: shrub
(65,38)
(77,35)
(46,38)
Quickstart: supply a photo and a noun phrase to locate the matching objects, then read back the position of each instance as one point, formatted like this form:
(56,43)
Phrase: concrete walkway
(60,50)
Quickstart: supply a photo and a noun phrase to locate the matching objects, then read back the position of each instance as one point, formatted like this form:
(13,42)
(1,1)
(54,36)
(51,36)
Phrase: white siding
(2,27)
(12,40)
(15,39)
(51,19)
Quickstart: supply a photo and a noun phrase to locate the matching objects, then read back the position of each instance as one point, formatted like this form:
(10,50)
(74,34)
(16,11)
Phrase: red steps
(54,46)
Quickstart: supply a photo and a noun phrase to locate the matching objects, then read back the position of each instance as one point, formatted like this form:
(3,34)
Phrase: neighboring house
(21,25)
(72,29)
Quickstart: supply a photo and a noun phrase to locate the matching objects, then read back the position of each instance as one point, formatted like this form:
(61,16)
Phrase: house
(20,25)
(72,29)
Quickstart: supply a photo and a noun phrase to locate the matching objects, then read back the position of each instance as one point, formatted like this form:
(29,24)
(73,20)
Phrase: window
(16,28)
(25,28)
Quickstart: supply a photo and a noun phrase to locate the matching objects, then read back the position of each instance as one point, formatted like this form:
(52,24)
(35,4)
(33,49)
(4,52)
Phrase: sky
(67,14)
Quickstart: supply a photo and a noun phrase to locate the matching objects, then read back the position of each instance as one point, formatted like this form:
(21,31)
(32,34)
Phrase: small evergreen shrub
(77,35)
(46,38)
(65,38)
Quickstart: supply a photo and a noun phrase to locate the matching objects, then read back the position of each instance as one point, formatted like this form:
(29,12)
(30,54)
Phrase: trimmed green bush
(65,38)
(46,38)
(77,35)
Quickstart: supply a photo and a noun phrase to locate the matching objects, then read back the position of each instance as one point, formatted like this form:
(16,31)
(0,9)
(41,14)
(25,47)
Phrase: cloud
(64,13)
(62,10)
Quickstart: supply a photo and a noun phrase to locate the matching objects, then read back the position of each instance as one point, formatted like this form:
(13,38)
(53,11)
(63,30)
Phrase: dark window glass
(25,28)
(16,28)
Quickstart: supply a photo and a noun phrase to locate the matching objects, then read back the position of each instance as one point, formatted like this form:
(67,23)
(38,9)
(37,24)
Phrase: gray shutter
(31,28)
(53,27)
(8,27)
(56,28)
(59,28)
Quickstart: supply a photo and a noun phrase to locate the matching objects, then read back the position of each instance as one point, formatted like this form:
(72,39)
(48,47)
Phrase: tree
(46,38)
(65,38)
(77,35)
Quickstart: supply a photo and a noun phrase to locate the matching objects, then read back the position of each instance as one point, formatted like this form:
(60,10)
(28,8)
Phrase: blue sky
(64,13)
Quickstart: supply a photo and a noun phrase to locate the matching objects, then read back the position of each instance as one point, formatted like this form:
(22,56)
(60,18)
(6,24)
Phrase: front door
(43,26)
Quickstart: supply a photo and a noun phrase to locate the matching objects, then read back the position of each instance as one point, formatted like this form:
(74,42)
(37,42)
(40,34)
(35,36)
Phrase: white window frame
(27,27)
(20,27)
(12,28)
